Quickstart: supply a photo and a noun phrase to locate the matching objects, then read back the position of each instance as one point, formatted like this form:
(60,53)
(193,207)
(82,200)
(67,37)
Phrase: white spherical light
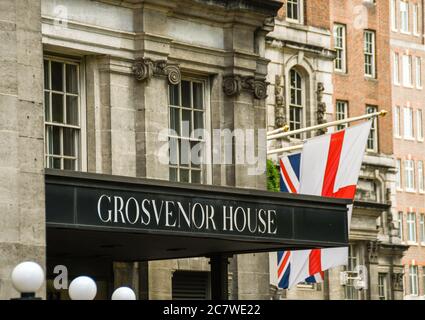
(27,277)
(82,288)
(124,293)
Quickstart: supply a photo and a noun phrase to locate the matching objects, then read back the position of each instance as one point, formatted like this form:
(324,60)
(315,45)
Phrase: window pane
(69,164)
(57,76)
(184,148)
(56,141)
(175,120)
(174,95)
(196,153)
(57,107)
(173,174)
(47,106)
(57,163)
(186,123)
(46,75)
(198,99)
(196,176)
(199,120)
(69,147)
(184,175)
(174,152)
(72,110)
(186,94)
(71,79)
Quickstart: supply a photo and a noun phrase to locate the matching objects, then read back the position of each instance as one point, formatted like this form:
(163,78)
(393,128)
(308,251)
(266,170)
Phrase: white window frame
(383,286)
(407,66)
(369,51)
(415,17)
(394,15)
(81,143)
(404,17)
(411,228)
(341,112)
(420,170)
(396,68)
(300,11)
(422,229)
(418,72)
(374,129)
(340,36)
(301,106)
(397,122)
(400,221)
(409,175)
(413,280)
(206,169)
(408,131)
(419,125)
(399,181)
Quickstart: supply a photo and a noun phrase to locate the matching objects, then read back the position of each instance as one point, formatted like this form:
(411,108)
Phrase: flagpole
(273,136)
(286,149)
(382,113)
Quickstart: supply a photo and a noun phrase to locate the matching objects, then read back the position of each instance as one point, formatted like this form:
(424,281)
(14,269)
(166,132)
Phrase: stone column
(126,275)
(22,208)
(245,115)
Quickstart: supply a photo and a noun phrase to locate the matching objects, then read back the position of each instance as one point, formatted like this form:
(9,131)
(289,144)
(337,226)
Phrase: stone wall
(22,221)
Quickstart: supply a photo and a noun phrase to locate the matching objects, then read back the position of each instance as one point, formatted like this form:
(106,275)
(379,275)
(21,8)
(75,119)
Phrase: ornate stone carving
(321,108)
(145,68)
(372,249)
(234,84)
(397,281)
(280,106)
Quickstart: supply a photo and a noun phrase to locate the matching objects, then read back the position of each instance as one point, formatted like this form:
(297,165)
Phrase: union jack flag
(290,182)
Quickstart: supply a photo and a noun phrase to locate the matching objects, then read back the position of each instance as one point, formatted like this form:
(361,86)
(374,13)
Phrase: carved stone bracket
(372,249)
(145,68)
(280,106)
(321,108)
(234,84)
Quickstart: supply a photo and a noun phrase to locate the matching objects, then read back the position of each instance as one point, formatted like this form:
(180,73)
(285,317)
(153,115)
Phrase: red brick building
(348,44)
(407,56)
(362,84)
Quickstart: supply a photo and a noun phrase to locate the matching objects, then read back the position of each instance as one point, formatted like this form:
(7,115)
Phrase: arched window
(296,102)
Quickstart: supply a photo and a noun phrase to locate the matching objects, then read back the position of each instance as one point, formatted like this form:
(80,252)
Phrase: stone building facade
(92,85)
(407,57)
(343,53)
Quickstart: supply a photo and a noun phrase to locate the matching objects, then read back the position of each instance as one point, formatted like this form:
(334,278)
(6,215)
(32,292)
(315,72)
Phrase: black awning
(132,219)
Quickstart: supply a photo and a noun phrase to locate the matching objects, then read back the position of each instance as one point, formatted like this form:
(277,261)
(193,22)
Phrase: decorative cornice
(313,49)
(234,84)
(145,68)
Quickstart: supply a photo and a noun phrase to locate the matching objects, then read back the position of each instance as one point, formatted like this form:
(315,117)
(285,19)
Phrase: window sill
(410,191)
(370,78)
(398,137)
(294,21)
(408,33)
(419,88)
(412,243)
(420,139)
(399,190)
(409,138)
(372,152)
(341,72)
(408,86)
